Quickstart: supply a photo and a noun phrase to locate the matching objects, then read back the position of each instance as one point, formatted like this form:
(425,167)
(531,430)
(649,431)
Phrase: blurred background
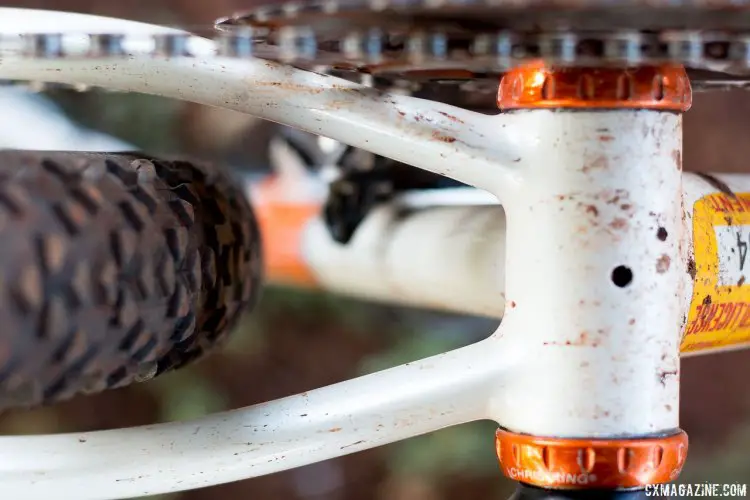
(297,341)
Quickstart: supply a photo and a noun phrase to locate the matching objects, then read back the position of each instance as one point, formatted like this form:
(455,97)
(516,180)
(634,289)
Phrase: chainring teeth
(440,41)
(440,56)
(505,33)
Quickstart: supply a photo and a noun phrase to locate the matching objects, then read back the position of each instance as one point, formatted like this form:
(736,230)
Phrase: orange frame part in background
(282,223)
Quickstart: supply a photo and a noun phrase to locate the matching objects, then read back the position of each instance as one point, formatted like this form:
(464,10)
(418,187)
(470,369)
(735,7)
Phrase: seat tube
(596,270)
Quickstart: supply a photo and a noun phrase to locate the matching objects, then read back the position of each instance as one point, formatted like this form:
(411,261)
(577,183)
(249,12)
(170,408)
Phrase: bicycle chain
(413,55)
(403,41)
(383,47)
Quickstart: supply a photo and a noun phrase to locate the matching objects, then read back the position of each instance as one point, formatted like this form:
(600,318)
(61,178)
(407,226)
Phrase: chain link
(383,51)
(400,57)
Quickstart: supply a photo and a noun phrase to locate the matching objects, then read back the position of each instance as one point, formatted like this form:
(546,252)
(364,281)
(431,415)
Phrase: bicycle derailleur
(357,180)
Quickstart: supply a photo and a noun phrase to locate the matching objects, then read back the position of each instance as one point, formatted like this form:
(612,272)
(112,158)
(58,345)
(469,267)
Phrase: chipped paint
(588,208)
(662,263)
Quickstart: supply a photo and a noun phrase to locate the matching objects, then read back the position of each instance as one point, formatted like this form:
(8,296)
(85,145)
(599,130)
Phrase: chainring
(469,44)
(456,50)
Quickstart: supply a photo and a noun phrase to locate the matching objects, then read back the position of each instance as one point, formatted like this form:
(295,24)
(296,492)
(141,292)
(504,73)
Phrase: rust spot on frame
(443,138)
(619,195)
(677,157)
(451,117)
(294,87)
(662,264)
(585,339)
(691,269)
(598,163)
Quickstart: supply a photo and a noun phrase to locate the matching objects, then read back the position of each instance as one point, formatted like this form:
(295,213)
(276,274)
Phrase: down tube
(466,274)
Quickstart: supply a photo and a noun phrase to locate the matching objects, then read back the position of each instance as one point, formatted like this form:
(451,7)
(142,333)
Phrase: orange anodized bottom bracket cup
(561,463)
(539,86)
(591,463)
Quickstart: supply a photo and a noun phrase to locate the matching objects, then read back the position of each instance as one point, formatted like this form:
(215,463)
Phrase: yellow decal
(720,309)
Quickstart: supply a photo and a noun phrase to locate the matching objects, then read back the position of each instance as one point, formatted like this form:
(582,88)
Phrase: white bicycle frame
(575,356)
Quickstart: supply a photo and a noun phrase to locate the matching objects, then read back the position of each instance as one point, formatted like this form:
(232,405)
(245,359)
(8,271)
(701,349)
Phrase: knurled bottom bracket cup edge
(538,85)
(564,463)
